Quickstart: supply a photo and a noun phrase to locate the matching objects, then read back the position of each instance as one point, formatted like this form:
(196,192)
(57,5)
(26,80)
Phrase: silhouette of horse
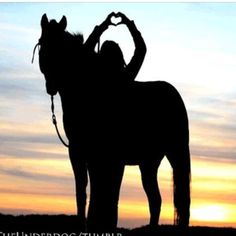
(109,127)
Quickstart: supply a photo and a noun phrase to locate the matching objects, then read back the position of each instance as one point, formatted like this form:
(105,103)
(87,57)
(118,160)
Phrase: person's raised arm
(136,62)
(98,31)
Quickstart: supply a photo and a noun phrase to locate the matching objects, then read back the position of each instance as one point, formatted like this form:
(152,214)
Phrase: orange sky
(213,185)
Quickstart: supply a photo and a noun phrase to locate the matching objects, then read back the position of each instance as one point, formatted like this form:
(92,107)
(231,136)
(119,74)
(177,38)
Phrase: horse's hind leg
(150,185)
(79,167)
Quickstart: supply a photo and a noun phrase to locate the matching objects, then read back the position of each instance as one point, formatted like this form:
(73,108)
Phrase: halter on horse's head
(49,44)
(55,50)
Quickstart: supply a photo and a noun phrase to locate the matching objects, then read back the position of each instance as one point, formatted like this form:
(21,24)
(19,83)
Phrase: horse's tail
(181,180)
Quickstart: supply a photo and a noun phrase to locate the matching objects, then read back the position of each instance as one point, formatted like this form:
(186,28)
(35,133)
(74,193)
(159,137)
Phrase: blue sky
(191,45)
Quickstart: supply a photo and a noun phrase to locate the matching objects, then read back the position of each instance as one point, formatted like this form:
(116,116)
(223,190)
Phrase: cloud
(214,153)
(32,147)
(9,27)
(29,139)
(27,174)
(212,126)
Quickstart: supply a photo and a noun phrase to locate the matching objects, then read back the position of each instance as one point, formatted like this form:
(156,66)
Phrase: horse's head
(52,52)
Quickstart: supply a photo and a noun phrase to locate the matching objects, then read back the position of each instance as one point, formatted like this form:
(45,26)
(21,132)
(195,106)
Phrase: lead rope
(54,121)
(37,45)
(99,46)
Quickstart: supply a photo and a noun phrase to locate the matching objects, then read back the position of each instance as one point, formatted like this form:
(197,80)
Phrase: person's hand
(124,19)
(108,20)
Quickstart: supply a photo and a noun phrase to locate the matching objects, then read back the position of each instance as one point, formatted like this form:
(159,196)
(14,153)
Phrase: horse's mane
(75,37)
(79,37)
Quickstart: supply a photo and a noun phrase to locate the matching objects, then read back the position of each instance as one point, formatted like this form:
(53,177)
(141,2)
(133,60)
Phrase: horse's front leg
(150,185)
(105,182)
(79,167)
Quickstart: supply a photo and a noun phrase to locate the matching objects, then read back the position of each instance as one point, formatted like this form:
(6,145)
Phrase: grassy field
(63,225)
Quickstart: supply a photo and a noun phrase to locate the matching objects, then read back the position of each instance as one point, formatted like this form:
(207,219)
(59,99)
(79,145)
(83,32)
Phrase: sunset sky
(190,45)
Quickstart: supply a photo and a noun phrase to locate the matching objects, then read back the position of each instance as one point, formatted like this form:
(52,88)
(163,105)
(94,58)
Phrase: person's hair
(112,55)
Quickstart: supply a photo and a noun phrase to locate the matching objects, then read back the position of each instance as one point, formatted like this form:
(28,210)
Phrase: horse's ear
(63,22)
(44,21)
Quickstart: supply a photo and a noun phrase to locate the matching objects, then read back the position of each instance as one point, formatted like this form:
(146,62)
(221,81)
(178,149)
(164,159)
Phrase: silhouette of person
(113,76)
(111,60)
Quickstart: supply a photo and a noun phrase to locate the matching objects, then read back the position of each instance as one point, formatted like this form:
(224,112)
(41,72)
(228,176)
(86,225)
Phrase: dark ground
(46,225)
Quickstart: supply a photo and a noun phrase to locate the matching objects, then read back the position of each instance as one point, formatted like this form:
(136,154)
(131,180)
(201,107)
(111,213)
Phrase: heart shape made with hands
(115,20)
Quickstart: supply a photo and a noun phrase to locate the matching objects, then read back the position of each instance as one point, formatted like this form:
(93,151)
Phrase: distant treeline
(64,225)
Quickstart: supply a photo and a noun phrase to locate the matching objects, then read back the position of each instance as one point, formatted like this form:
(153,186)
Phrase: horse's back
(142,118)
(157,107)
